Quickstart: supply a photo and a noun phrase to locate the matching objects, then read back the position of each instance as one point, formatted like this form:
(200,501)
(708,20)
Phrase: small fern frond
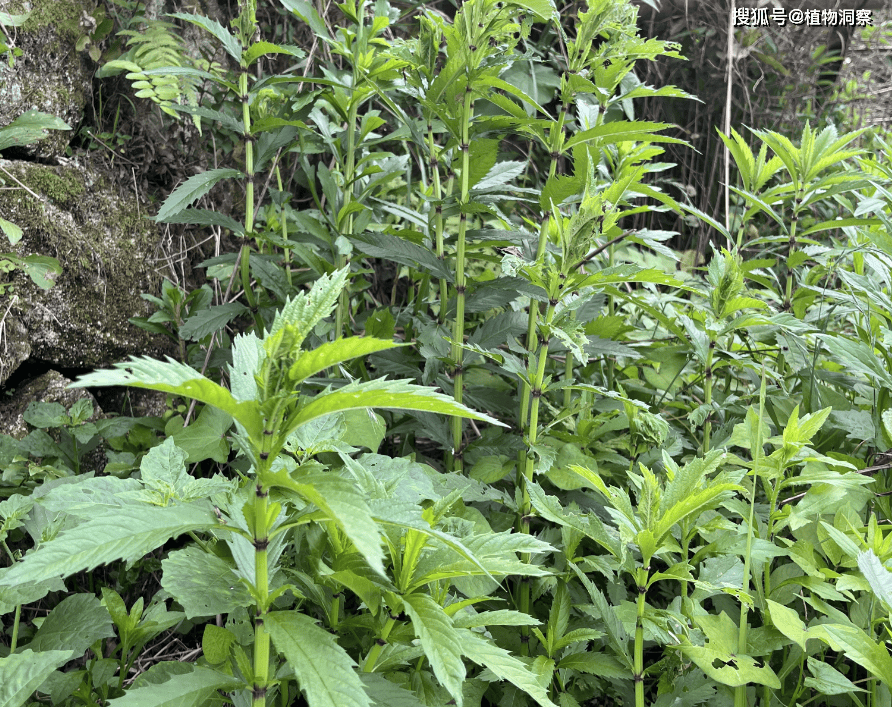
(155,47)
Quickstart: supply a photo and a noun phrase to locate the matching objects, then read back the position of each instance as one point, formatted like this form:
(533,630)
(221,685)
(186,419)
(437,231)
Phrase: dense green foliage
(641,484)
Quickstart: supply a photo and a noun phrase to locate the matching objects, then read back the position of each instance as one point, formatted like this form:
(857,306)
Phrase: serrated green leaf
(858,357)
(402,251)
(616,633)
(192,190)
(259,49)
(694,505)
(408,515)
(205,438)
(600,664)
(308,14)
(205,217)
(113,535)
(501,617)
(202,583)
(26,592)
(211,320)
(188,689)
(504,665)
(384,693)
(22,673)
(621,131)
(324,670)
(307,309)
(396,394)
(229,42)
(363,428)
(543,9)
(342,502)
(29,127)
(440,640)
(75,624)
(171,376)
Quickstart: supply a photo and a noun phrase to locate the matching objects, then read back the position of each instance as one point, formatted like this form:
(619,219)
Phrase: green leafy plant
(269,409)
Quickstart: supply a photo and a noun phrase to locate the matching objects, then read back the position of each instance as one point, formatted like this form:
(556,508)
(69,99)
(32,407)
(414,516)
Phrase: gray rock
(14,345)
(48,388)
(105,246)
(51,76)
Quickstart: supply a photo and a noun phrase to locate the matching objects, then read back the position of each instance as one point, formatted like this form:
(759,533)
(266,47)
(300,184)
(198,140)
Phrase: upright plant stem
(458,330)
(284,218)
(245,253)
(434,162)
(349,177)
(375,651)
(638,657)
(261,583)
(556,144)
(707,394)
(528,468)
(740,692)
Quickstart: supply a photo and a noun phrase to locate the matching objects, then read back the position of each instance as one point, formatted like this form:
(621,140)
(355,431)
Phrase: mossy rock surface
(106,248)
(51,76)
(14,345)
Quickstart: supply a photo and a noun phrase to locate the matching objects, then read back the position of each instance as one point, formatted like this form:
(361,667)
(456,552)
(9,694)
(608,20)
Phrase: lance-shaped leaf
(402,251)
(192,190)
(616,633)
(694,504)
(120,534)
(589,524)
(440,640)
(187,689)
(229,42)
(387,694)
(879,578)
(332,353)
(210,320)
(324,670)
(174,377)
(504,665)
(206,217)
(495,552)
(397,394)
(308,14)
(858,647)
(622,131)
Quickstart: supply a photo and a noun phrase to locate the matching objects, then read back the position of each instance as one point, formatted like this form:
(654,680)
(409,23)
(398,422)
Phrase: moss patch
(62,15)
(63,188)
